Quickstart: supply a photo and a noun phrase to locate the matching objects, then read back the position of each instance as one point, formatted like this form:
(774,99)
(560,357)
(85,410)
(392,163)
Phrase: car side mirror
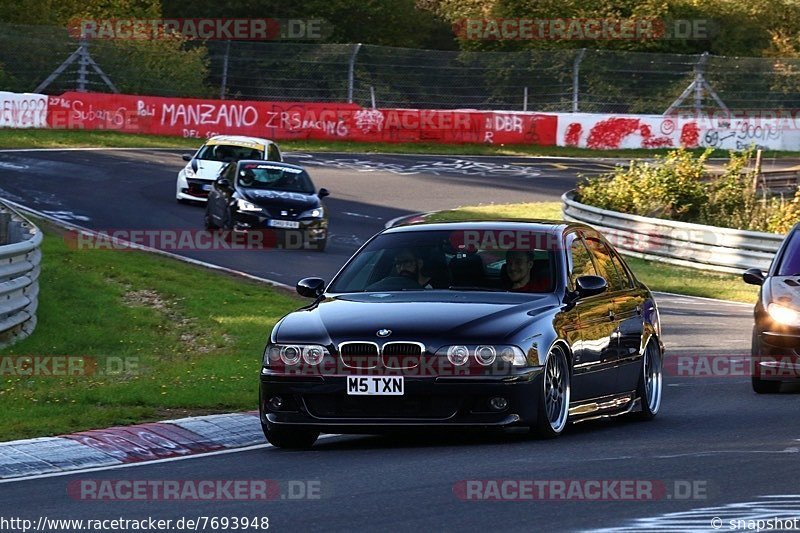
(753,276)
(590,285)
(224,183)
(187,157)
(310,287)
(323,192)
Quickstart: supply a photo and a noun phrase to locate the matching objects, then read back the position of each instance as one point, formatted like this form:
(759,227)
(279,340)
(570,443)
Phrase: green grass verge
(192,339)
(657,276)
(46,138)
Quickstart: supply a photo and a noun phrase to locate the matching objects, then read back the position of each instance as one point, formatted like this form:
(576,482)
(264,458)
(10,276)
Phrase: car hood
(207,170)
(279,199)
(784,290)
(434,318)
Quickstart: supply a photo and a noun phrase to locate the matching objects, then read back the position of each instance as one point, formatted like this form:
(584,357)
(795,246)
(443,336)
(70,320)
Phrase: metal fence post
(576,66)
(224,82)
(525,99)
(351,72)
(699,84)
(83,61)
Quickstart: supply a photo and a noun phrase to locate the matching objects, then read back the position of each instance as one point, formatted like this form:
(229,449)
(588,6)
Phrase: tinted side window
(790,262)
(581,261)
(273,154)
(605,265)
(230,172)
(621,269)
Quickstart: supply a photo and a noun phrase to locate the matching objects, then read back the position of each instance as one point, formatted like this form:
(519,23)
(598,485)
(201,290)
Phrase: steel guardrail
(20,260)
(679,243)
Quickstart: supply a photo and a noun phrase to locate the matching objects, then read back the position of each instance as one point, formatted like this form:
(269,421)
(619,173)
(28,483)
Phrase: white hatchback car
(196,178)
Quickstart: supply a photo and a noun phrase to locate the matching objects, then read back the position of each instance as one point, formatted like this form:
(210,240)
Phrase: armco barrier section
(679,243)
(20,257)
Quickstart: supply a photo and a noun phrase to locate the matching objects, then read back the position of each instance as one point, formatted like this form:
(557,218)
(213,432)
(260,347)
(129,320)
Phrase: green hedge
(677,187)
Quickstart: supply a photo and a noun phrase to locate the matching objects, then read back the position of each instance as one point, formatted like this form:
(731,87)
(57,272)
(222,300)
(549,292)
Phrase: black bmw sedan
(775,350)
(269,196)
(465,324)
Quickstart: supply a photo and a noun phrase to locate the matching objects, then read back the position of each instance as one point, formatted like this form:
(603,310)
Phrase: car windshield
(459,260)
(790,262)
(273,177)
(228,152)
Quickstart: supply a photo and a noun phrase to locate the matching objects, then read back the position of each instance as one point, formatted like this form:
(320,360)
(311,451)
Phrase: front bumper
(192,189)
(776,356)
(322,404)
(309,231)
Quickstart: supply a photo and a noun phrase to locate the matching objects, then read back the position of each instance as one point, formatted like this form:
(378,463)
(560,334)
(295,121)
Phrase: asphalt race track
(715,450)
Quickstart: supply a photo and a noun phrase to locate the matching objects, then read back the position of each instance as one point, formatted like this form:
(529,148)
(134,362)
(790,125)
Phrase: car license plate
(375,385)
(284,224)
(207,187)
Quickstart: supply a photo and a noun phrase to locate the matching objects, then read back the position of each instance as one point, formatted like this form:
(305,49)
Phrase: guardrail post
(5,219)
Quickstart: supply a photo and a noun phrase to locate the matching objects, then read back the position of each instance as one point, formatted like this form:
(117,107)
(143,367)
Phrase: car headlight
(317,212)
(293,354)
(484,354)
(784,315)
(188,171)
(244,205)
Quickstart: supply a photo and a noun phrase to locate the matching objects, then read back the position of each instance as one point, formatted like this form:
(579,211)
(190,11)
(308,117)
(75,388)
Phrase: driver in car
(408,264)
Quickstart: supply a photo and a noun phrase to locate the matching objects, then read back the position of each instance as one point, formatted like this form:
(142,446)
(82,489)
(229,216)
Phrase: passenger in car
(518,267)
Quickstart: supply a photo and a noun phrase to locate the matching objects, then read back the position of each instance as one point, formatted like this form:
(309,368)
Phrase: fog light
(498,403)
(275,402)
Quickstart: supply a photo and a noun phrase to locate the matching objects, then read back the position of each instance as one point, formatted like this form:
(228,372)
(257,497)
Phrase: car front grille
(401,354)
(359,354)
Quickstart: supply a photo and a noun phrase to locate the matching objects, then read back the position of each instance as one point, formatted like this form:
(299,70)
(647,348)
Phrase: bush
(677,187)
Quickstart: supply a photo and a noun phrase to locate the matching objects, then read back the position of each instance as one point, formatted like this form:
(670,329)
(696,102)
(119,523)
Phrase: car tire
(319,246)
(765,386)
(208,222)
(760,386)
(227,220)
(651,383)
(554,396)
(289,438)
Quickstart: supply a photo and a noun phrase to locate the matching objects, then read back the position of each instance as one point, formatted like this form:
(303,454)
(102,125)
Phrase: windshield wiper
(472,288)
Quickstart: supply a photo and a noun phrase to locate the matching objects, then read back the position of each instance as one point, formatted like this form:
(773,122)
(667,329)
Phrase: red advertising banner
(195,118)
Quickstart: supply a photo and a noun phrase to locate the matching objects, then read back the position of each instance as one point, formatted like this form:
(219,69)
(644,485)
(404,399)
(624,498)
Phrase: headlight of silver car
(483,354)
(784,315)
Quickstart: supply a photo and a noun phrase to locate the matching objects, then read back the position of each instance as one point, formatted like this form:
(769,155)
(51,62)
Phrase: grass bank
(161,339)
